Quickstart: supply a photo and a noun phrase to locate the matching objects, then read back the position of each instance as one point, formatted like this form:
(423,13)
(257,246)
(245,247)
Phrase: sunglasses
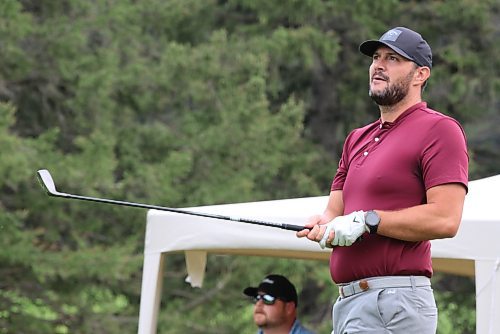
(266,299)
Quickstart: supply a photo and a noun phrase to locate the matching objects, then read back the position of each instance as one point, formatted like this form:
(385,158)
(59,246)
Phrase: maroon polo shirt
(390,166)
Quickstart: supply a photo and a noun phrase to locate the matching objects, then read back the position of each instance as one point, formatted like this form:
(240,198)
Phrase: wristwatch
(372,219)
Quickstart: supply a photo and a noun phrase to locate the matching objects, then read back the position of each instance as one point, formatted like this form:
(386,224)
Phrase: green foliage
(185,103)
(455,304)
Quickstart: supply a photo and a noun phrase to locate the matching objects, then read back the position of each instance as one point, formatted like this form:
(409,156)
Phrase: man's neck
(282,329)
(392,112)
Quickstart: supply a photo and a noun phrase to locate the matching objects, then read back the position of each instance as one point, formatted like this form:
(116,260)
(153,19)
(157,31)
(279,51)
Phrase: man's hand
(315,228)
(347,229)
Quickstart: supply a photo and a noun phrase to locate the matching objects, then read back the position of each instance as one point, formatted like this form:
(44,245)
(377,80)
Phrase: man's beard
(393,93)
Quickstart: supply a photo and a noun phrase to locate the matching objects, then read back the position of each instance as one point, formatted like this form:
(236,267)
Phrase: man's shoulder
(362,131)
(299,329)
(429,113)
(436,121)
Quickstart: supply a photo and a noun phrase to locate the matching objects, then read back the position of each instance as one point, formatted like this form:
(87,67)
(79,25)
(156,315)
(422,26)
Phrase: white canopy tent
(475,251)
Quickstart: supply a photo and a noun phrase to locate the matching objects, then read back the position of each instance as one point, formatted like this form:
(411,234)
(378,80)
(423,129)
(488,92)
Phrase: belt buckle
(363,285)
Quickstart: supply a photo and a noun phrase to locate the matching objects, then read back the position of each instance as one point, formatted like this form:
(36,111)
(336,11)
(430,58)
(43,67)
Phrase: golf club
(48,184)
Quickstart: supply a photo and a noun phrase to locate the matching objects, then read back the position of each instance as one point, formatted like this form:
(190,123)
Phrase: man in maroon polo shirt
(401,182)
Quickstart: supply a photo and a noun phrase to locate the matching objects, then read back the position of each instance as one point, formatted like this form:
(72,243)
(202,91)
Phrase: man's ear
(290,307)
(422,74)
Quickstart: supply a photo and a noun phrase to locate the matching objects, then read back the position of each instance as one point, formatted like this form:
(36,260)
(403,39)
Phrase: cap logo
(391,35)
(267,280)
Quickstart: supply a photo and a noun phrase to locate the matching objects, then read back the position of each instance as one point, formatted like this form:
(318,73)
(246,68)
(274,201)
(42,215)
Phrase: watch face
(372,218)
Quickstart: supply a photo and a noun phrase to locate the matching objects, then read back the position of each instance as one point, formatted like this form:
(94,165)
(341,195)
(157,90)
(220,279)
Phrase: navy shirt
(297,328)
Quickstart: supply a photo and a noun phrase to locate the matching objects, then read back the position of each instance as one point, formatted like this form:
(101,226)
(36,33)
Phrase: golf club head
(47,182)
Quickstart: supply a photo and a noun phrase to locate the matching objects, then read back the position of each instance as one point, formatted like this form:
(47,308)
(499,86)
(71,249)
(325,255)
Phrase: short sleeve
(445,158)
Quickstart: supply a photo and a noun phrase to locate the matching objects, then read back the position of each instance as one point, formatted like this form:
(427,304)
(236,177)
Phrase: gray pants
(404,310)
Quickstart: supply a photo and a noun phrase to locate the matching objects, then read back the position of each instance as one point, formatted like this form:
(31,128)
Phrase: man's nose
(378,65)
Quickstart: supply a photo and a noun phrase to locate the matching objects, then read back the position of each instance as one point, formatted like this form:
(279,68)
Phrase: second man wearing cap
(275,310)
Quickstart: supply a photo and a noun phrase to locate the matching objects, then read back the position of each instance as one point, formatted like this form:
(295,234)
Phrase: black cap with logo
(405,42)
(277,286)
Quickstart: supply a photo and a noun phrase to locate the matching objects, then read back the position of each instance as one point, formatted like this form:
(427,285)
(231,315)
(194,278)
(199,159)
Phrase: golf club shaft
(48,184)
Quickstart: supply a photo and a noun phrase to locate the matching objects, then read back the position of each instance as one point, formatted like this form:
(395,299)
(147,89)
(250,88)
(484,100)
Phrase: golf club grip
(292,227)
(289,227)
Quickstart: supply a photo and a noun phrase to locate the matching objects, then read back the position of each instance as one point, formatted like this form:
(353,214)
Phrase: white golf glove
(347,229)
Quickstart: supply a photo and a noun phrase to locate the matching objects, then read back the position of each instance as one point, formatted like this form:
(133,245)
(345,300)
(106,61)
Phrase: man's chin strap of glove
(347,229)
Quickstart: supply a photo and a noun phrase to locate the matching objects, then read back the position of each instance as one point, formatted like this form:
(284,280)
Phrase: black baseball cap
(405,42)
(277,286)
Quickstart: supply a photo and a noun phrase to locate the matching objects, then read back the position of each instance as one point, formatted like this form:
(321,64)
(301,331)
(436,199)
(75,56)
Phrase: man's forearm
(440,218)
